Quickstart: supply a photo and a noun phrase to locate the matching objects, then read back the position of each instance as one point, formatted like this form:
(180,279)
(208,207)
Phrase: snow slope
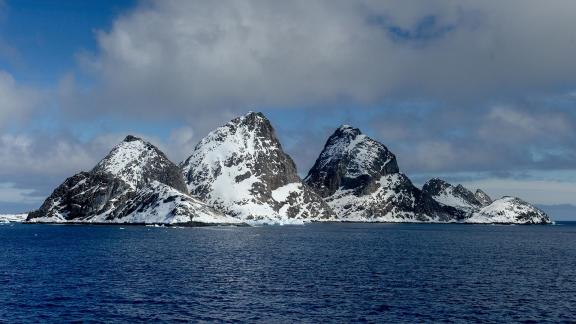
(509,210)
(137,162)
(156,203)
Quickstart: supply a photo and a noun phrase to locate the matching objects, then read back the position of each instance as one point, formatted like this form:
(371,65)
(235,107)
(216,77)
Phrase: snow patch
(12,218)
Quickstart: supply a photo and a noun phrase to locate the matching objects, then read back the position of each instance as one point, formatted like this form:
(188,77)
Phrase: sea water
(311,273)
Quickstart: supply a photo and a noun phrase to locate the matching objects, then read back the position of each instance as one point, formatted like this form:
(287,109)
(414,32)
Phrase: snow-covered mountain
(360,179)
(241,170)
(134,183)
(239,174)
(480,208)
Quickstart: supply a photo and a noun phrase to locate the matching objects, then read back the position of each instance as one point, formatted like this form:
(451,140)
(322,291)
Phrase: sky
(481,93)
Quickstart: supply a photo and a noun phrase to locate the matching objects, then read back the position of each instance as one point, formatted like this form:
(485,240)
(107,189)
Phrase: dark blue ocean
(312,273)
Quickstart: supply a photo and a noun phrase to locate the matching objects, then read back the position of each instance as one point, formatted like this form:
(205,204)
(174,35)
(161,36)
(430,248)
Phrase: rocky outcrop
(241,170)
(455,196)
(509,210)
(360,179)
(479,207)
(482,197)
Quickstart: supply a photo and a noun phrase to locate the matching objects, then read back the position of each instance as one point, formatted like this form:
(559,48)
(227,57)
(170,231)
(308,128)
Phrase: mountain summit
(137,162)
(360,179)
(241,170)
(350,160)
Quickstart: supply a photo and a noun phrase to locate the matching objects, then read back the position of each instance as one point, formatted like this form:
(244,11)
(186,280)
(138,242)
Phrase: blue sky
(45,36)
(473,92)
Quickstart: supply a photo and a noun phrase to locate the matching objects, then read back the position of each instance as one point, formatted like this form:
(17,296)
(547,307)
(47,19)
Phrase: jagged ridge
(480,208)
(240,169)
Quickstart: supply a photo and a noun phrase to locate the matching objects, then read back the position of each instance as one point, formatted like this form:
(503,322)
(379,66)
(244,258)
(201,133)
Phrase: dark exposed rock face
(455,196)
(83,196)
(482,197)
(241,169)
(350,160)
(360,180)
(106,193)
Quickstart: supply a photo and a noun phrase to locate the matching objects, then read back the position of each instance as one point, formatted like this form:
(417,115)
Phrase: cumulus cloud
(205,62)
(199,58)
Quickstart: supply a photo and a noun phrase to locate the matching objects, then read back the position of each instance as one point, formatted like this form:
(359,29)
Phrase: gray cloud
(436,139)
(32,164)
(208,61)
(499,138)
(198,58)
(17,102)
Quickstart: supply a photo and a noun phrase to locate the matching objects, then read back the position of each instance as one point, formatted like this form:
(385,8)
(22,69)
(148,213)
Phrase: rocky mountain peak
(482,197)
(435,186)
(134,183)
(131,138)
(479,207)
(254,122)
(350,160)
(360,179)
(347,130)
(138,162)
(241,169)
(251,118)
